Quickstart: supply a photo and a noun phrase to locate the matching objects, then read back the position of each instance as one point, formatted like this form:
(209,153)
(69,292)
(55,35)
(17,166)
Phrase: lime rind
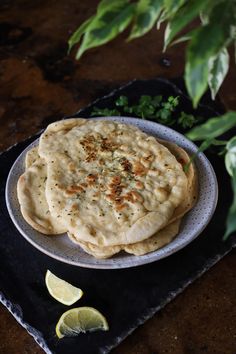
(61,290)
(80,320)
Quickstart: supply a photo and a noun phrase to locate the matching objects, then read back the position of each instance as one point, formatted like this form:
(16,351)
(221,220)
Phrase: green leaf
(204,17)
(231,217)
(230,163)
(122,101)
(173,101)
(184,16)
(172,6)
(128,109)
(108,4)
(107,24)
(145,100)
(76,36)
(207,42)
(196,78)
(156,101)
(230,157)
(147,13)
(184,38)
(163,17)
(186,120)
(164,114)
(218,68)
(206,13)
(214,127)
(217,142)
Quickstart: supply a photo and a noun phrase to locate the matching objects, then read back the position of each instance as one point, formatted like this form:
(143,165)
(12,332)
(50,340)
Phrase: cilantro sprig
(150,107)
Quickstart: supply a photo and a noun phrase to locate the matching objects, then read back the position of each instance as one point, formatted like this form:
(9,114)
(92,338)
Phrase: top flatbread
(165,235)
(110,183)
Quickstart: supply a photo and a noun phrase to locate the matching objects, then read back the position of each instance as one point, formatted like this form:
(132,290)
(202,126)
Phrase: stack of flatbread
(108,185)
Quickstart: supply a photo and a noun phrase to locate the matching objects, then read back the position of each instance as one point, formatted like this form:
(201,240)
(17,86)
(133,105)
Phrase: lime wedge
(62,291)
(80,320)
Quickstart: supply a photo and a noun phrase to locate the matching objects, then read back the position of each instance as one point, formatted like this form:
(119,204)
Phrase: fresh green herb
(145,107)
(150,107)
(156,101)
(165,113)
(104,112)
(129,110)
(122,101)
(187,120)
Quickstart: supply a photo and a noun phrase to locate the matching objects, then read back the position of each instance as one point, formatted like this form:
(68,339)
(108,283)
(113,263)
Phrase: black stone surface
(127,297)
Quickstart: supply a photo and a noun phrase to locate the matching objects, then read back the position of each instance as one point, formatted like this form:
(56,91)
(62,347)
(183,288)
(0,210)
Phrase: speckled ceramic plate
(61,248)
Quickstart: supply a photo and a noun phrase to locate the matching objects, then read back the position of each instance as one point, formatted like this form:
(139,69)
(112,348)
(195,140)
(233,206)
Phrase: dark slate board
(127,297)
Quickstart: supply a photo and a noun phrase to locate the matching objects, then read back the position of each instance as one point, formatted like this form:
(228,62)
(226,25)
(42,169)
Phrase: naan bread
(162,238)
(110,183)
(158,240)
(192,190)
(32,199)
(31,157)
(95,251)
(165,235)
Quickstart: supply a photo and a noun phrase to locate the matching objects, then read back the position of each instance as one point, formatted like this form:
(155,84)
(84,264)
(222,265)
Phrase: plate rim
(138,260)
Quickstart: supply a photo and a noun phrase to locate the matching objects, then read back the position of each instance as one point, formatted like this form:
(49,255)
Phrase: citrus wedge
(62,291)
(80,320)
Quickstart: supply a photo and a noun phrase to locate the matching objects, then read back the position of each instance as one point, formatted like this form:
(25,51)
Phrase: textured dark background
(39,84)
